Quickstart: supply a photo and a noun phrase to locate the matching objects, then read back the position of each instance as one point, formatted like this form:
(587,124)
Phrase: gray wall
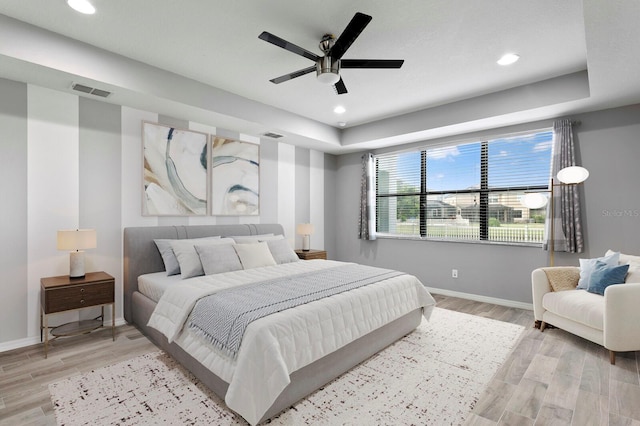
(331,214)
(608,146)
(100,162)
(13,202)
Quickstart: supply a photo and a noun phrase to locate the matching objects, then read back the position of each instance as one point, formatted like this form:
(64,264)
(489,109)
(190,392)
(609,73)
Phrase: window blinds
(469,188)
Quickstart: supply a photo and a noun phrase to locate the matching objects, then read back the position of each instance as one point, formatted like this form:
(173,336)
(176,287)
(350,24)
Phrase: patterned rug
(432,376)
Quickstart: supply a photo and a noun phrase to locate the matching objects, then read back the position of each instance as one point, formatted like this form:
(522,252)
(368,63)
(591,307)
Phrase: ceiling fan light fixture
(328,70)
(328,78)
(82,6)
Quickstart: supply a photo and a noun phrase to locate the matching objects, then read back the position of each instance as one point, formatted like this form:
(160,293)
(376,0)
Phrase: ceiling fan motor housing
(328,70)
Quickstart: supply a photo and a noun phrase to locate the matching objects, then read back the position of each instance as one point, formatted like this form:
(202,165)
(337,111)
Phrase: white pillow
(625,258)
(282,251)
(169,259)
(248,239)
(218,258)
(633,275)
(587,267)
(185,251)
(254,255)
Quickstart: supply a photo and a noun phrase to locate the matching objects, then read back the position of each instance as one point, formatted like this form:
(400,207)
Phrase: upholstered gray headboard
(141,256)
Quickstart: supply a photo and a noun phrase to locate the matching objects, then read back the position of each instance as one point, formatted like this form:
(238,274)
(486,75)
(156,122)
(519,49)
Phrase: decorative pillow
(605,275)
(587,266)
(563,277)
(633,276)
(218,258)
(248,239)
(254,255)
(625,258)
(185,251)
(171,264)
(282,251)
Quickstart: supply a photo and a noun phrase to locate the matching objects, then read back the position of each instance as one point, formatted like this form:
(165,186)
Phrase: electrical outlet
(454,273)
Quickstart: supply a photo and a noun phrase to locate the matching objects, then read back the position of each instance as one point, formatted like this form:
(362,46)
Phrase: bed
(304,372)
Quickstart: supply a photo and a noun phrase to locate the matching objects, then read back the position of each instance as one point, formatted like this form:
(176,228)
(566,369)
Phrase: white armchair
(612,321)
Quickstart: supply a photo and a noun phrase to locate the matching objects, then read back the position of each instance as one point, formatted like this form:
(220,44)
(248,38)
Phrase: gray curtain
(367,220)
(567,223)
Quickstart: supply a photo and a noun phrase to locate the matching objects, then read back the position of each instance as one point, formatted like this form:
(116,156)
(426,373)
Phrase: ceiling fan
(327,67)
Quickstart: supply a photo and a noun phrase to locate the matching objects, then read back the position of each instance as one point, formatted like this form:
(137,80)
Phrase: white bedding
(275,346)
(154,285)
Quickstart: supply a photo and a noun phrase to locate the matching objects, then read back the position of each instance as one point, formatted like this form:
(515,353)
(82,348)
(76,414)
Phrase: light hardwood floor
(551,378)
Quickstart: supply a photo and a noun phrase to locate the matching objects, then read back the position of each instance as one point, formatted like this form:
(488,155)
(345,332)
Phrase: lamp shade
(304,229)
(573,175)
(534,200)
(77,239)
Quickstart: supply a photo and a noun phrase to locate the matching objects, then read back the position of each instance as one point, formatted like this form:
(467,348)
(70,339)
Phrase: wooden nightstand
(312,254)
(61,294)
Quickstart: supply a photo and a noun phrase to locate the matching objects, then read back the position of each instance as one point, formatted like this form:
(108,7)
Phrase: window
(466,191)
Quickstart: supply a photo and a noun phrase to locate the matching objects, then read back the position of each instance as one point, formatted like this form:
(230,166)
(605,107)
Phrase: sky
(523,160)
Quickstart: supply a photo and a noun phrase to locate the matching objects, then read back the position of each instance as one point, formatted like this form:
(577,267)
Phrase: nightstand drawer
(78,296)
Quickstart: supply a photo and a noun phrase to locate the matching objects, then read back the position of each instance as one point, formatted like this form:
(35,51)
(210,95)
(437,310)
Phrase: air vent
(272,135)
(91,90)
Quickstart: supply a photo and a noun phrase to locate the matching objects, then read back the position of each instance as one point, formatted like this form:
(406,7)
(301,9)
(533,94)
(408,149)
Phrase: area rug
(432,376)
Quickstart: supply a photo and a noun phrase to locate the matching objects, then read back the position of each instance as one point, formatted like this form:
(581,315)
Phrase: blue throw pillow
(587,266)
(604,275)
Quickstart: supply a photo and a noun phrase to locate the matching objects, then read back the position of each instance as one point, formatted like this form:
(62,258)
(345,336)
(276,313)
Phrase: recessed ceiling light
(342,123)
(339,109)
(508,59)
(82,6)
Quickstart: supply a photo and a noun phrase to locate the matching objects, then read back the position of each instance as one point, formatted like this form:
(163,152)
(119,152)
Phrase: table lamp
(305,229)
(76,241)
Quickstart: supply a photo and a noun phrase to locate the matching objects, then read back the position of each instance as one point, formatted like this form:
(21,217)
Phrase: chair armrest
(539,287)
(622,317)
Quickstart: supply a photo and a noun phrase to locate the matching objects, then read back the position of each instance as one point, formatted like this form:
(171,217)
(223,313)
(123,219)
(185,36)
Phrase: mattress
(154,285)
(279,344)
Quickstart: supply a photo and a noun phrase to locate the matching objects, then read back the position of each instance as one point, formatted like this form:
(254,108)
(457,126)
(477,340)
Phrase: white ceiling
(202,60)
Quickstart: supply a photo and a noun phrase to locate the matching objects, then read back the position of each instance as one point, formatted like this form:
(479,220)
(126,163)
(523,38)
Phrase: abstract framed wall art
(235,177)
(175,171)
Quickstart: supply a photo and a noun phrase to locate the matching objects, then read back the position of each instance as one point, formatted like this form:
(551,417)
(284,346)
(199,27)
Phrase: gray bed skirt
(141,257)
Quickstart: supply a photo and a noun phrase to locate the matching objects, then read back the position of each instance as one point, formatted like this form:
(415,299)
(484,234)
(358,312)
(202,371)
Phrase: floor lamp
(568,176)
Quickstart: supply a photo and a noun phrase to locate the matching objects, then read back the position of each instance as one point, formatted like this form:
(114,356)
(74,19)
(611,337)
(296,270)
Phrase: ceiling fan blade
(339,87)
(273,39)
(371,63)
(293,75)
(349,35)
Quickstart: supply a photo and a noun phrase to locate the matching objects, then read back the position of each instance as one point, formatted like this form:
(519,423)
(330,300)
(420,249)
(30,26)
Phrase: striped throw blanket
(222,318)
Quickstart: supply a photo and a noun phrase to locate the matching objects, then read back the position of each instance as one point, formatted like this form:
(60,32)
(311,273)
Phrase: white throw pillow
(169,259)
(254,255)
(633,276)
(185,251)
(218,258)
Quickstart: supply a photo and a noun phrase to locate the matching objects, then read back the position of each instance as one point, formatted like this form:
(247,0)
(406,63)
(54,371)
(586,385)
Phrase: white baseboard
(35,340)
(20,343)
(485,299)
